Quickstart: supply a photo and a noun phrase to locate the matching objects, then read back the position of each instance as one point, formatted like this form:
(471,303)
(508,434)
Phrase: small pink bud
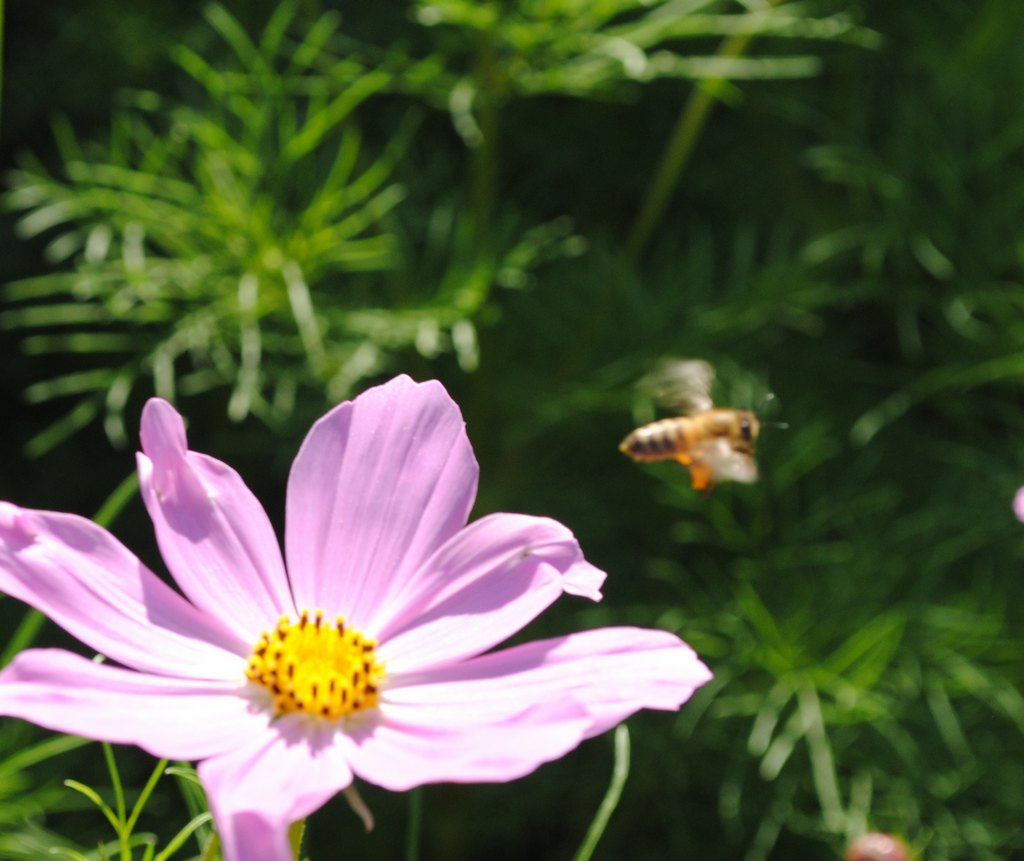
(878,847)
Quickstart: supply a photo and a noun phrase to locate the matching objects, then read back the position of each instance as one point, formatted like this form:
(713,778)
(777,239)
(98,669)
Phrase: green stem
(485,154)
(212,848)
(620,771)
(183,835)
(683,140)
(485,174)
(412,835)
(691,122)
(24,634)
(147,790)
(119,497)
(119,805)
(296,831)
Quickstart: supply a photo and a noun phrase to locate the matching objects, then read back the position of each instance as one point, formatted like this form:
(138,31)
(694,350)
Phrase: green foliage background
(260,209)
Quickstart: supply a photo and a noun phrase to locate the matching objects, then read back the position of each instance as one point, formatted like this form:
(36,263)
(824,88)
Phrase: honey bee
(716,444)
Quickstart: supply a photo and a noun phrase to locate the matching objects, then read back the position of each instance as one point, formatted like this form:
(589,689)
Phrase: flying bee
(716,444)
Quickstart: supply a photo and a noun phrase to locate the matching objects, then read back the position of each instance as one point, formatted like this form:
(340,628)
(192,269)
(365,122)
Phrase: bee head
(749,426)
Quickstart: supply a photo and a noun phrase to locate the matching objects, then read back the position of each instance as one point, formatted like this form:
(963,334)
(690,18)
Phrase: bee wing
(681,384)
(727,464)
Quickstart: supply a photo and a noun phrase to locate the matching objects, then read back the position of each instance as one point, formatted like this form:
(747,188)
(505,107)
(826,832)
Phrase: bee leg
(700,472)
(700,477)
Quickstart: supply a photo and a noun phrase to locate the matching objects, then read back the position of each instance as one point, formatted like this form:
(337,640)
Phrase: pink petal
(379,484)
(611,672)
(250,837)
(399,755)
(1018,504)
(173,718)
(481,587)
(499,716)
(257,791)
(213,533)
(86,581)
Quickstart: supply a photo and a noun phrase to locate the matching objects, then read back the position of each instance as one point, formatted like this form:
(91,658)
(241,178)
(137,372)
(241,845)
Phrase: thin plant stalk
(620,771)
(415,827)
(119,804)
(212,849)
(23,637)
(119,497)
(296,832)
(681,144)
(485,154)
(179,839)
(147,790)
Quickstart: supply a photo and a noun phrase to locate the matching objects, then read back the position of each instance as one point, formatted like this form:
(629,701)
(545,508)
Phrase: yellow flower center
(316,667)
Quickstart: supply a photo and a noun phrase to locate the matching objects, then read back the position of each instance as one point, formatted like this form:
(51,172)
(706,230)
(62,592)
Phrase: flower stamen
(313,666)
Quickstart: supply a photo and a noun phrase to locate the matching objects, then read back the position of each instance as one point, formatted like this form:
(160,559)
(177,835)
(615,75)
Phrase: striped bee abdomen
(658,440)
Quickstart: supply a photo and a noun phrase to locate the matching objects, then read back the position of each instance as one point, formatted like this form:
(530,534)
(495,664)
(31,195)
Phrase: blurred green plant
(230,242)
(33,843)
(25,796)
(861,605)
(910,180)
(219,245)
(488,55)
(203,234)
(861,640)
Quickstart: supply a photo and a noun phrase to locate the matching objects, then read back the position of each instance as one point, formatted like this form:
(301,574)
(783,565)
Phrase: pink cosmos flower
(368,658)
(1018,504)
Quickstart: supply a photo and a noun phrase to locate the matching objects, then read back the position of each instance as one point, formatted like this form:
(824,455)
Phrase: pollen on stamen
(327,670)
